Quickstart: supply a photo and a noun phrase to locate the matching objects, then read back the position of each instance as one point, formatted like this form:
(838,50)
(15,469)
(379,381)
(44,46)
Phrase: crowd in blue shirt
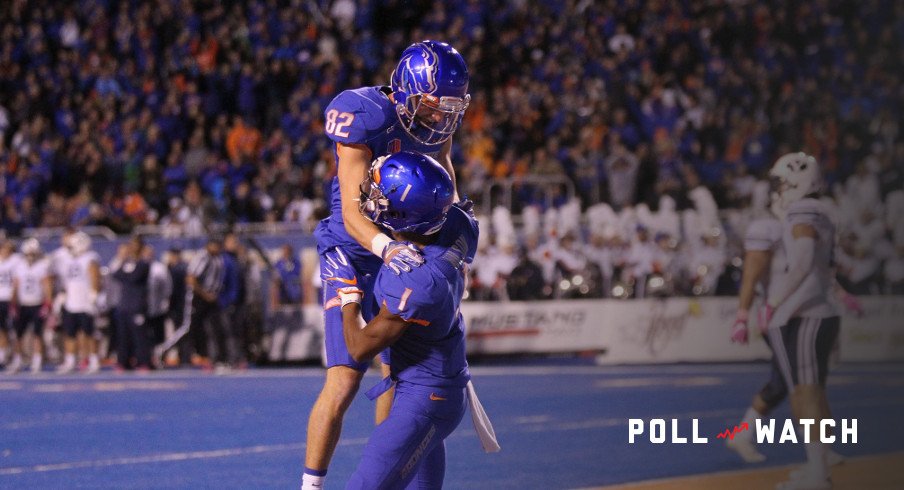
(120,113)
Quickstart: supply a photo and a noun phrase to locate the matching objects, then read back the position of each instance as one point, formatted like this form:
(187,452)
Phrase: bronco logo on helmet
(420,71)
(430,90)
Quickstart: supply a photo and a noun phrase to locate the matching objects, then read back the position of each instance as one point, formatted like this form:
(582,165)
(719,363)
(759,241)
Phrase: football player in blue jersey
(419,319)
(419,111)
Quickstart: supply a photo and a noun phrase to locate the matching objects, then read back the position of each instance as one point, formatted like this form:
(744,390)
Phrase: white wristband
(378,244)
(346,298)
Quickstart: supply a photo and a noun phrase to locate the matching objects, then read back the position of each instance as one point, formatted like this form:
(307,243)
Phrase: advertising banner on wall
(876,336)
(619,332)
(643,331)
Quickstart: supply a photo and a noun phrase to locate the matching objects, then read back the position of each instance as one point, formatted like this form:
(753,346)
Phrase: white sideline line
(647,382)
(478,370)
(73,419)
(668,369)
(166,457)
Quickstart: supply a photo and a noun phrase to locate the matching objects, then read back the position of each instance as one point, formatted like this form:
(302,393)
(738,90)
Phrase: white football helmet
(795,176)
(31,247)
(79,243)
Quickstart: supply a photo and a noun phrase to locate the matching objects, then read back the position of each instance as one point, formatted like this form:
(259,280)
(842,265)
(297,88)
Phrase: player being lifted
(801,315)
(419,111)
(419,320)
(765,263)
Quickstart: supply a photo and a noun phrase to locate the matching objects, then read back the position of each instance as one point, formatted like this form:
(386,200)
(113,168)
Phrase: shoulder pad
(807,211)
(408,295)
(355,116)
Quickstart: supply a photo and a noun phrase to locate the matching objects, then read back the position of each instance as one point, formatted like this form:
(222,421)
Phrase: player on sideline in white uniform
(8,260)
(802,318)
(32,292)
(764,264)
(80,277)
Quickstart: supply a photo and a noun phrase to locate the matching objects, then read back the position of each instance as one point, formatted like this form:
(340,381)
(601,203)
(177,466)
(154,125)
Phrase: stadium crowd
(661,116)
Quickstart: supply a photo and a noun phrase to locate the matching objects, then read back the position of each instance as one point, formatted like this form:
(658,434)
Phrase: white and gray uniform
(75,273)
(805,325)
(30,279)
(765,235)
(30,295)
(7,266)
(813,298)
(58,260)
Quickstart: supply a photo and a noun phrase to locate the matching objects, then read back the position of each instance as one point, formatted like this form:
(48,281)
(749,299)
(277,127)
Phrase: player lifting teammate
(419,112)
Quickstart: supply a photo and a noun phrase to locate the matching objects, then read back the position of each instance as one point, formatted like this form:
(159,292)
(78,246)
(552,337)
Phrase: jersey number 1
(336,122)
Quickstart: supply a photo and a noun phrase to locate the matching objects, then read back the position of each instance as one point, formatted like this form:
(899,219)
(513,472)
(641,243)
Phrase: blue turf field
(561,426)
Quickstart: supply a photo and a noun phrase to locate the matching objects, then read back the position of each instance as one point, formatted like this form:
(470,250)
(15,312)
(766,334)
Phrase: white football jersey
(765,235)
(813,298)
(30,277)
(58,260)
(7,266)
(76,278)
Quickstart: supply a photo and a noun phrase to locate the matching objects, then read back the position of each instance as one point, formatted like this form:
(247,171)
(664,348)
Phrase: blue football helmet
(432,78)
(407,192)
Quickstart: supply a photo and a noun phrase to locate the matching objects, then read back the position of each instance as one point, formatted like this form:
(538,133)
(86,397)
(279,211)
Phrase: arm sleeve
(405,296)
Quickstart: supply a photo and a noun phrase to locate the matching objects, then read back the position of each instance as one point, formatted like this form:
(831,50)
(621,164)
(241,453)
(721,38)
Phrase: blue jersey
(364,116)
(289,274)
(431,352)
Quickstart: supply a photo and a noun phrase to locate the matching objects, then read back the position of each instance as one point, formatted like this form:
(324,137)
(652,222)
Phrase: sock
(312,479)
(69,360)
(816,459)
(2,356)
(36,361)
(93,360)
(750,418)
